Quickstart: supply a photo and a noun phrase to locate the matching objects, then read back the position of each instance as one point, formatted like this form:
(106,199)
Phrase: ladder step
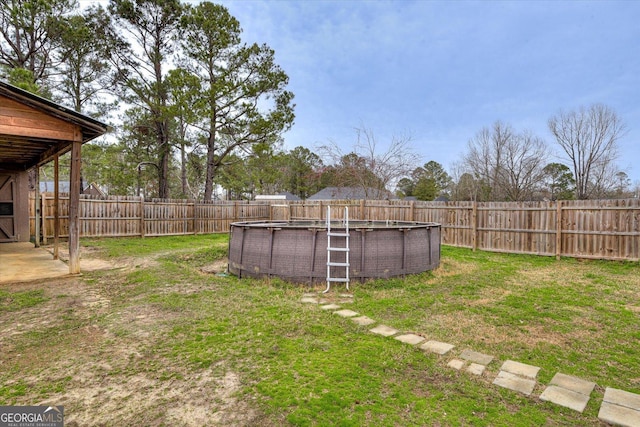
(338,264)
(337,279)
(333,233)
(338,249)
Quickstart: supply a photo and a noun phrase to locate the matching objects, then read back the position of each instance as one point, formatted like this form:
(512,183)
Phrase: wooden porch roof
(34,129)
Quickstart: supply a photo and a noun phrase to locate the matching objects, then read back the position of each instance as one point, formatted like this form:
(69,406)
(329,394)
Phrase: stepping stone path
(475,357)
(345,313)
(383,330)
(363,320)
(437,347)
(476,368)
(517,376)
(456,364)
(567,391)
(410,339)
(618,407)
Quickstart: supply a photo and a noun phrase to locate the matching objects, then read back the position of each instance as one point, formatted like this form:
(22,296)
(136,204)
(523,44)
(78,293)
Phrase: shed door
(7,211)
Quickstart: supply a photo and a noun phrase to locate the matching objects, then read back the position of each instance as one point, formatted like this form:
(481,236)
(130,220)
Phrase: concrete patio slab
(565,397)
(384,330)
(437,347)
(476,369)
(345,313)
(515,382)
(412,339)
(521,369)
(22,262)
(474,356)
(619,415)
(363,320)
(573,383)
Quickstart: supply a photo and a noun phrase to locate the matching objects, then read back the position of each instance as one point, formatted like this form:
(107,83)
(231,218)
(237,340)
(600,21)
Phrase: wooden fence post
(142,224)
(412,212)
(474,225)
(195,216)
(558,229)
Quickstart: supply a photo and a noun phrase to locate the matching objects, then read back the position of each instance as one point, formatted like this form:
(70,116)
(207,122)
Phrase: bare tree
(368,168)
(509,163)
(589,138)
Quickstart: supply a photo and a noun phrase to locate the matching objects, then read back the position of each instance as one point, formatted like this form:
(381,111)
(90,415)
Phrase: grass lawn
(168,339)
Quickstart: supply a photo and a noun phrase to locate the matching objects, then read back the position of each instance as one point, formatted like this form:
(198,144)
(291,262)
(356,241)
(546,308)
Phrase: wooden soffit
(33,129)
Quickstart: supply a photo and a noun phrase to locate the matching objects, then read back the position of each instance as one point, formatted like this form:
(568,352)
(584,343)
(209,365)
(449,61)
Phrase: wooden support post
(56,207)
(362,210)
(36,209)
(74,205)
(558,229)
(43,210)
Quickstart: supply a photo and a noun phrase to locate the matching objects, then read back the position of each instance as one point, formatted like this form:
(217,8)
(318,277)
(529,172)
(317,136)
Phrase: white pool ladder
(344,278)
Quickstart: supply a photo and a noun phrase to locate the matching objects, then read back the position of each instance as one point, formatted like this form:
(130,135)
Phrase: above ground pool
(296,251)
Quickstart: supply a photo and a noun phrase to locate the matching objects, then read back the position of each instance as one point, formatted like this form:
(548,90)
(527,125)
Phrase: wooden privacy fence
(132,216)
(602,229)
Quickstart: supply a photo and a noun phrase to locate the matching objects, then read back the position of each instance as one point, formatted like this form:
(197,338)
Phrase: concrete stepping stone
(383,330)
(521,369)
(620,408)
(568,391)
(456,364)
(437,347)
(330,307)
(476,369)
(412,339)
(345,313)
(309,294)
(475,357)
(309,300)
(363,320)
(515,382)
(563,397)
(572,383)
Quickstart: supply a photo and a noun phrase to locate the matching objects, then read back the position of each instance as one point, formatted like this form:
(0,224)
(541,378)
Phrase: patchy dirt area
(84,347)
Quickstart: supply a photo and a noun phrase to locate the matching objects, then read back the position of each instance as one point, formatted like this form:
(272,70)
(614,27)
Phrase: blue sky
(442,70)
